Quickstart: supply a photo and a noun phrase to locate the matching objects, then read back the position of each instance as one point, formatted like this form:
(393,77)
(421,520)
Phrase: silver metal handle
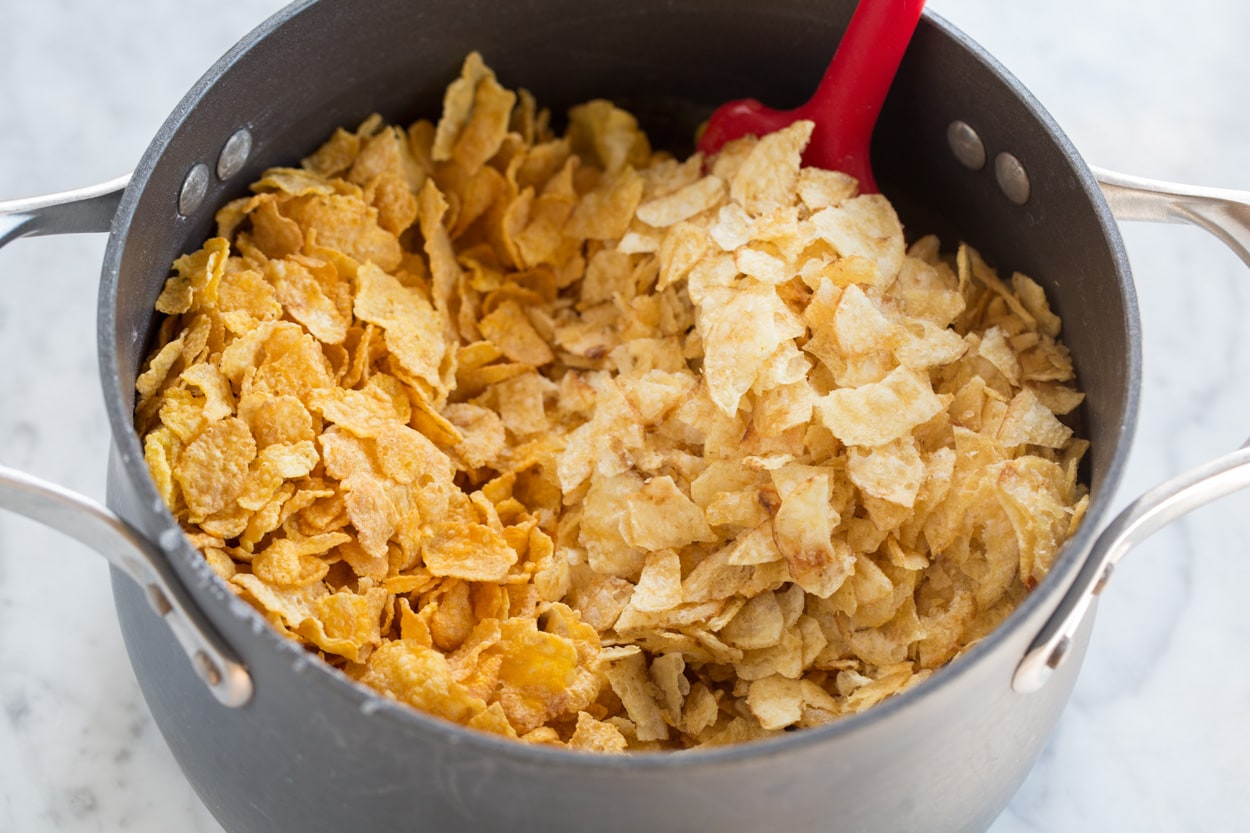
(1226,214)
(91,210)
(67,212)
(99,528)
(1221,211)
(1145,516)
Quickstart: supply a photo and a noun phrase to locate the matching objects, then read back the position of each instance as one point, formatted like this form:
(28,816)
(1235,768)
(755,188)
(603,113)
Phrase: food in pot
(566,439)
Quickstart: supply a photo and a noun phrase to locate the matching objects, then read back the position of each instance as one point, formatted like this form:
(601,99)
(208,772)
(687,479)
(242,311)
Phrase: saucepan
(272,739)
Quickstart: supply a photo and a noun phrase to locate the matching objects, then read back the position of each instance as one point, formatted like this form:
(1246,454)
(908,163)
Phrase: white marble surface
(1156,736)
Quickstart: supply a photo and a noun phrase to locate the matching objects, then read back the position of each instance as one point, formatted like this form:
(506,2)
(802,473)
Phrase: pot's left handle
(87,210)
(67,212)
(103,531)
(1226,214)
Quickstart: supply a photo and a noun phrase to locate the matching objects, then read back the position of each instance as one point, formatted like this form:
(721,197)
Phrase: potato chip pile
(568,440)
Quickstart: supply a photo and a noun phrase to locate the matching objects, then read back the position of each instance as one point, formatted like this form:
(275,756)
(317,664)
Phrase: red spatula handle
(846,104)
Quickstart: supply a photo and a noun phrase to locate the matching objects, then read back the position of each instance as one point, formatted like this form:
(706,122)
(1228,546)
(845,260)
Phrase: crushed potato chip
(569,441)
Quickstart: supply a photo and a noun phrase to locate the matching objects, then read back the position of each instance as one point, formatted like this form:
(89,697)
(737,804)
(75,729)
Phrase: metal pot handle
(67,212)
(1221,211)
(91,210)
(1226,214)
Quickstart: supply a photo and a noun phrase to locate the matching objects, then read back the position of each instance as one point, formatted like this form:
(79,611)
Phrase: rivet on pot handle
(91,209)
(1226,214)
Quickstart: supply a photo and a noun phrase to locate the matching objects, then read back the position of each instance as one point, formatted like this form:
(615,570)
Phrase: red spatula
(845,105)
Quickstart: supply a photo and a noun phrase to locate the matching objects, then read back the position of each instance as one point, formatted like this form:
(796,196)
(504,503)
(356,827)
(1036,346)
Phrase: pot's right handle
(91,209)
(1221,211)
(1226,214)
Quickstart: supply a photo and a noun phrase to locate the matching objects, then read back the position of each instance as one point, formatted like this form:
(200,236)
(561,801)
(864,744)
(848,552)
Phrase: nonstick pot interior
(313,751)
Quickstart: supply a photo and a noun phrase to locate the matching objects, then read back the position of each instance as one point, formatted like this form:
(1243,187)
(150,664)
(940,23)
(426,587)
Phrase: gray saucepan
(273,740)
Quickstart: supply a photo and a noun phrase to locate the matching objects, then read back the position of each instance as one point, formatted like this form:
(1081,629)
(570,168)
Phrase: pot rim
(1039,603)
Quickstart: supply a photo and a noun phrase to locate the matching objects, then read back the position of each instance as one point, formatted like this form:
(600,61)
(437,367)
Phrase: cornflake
(563,439)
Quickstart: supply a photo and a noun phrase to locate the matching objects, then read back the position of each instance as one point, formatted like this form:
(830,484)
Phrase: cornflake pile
(571,441)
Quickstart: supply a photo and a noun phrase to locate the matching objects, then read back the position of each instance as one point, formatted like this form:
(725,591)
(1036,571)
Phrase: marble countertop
(1155,737)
